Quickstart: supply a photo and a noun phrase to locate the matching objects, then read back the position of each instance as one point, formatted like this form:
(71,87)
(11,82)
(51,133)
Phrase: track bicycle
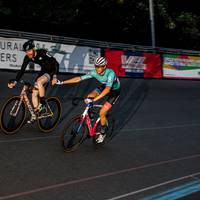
(85,126)
(15,109)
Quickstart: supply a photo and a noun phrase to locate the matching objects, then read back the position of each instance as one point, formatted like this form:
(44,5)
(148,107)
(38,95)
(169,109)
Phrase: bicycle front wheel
(74,134)
(13,114)
(49,120)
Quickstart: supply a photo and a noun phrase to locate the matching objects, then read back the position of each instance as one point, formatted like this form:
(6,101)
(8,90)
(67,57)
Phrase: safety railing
(92,43)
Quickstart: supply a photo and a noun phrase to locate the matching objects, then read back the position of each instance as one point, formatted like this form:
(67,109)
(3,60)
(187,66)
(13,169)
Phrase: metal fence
(92,43)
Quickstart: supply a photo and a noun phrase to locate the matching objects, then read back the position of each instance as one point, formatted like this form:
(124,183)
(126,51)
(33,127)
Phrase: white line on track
(91,178)
(154,186)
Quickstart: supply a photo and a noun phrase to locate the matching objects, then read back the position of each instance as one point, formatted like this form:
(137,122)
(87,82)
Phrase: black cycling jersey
(48,63)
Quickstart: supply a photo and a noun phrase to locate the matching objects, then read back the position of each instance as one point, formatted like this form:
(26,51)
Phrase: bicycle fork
(16,107)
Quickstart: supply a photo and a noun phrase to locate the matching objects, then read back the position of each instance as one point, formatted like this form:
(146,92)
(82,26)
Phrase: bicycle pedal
(31,120)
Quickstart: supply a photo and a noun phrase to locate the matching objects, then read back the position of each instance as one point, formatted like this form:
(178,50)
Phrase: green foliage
(180,22)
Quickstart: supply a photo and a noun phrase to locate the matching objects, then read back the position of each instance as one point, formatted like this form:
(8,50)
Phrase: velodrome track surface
(156,151)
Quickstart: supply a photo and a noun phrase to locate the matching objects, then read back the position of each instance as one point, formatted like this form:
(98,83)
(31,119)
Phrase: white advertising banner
(11,55)
(73,59)
(178,66)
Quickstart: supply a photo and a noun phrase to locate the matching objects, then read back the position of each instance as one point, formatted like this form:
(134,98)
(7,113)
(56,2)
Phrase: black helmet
(28,45)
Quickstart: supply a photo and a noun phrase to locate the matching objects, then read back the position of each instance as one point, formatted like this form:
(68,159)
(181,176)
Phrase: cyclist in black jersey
(48,72)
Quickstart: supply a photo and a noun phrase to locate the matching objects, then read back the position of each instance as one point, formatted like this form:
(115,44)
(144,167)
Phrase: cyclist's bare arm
(104,93)
(72,80)
(55,73)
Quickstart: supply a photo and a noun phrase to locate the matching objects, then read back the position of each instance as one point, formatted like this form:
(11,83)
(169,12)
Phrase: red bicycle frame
(85,117)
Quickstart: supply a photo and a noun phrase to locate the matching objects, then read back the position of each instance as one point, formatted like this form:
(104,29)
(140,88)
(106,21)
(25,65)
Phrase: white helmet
(100,61)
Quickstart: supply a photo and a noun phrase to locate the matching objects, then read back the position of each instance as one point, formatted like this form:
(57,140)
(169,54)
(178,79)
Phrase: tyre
(74,134)
(13,114)
(48,121)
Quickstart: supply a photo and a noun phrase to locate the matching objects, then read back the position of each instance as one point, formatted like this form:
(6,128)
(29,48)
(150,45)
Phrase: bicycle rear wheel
(13,114)
(74,134)
(48,121)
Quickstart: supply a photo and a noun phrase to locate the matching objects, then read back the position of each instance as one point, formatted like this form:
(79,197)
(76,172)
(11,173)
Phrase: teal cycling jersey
(109,78)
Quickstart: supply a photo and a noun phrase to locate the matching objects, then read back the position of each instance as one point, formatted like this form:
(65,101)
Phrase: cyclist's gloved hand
(54,80)
(12,83)
(58,82)
(88,101)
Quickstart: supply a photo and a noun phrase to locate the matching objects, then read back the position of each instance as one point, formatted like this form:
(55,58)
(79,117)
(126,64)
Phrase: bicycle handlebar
(21,81)
(76,101)
(25,83)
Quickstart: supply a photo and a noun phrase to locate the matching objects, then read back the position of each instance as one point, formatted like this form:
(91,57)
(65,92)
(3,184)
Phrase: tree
(177,24)
(125,21)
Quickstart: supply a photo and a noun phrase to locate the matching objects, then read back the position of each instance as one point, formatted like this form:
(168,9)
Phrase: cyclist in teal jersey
(110,86)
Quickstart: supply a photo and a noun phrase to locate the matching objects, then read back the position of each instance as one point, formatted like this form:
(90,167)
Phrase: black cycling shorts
(49,76)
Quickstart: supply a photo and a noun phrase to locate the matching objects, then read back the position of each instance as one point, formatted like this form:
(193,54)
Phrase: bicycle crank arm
(45,116)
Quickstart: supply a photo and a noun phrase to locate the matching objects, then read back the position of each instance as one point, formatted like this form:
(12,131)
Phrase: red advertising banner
(136,64)
(153,65)
(114,61)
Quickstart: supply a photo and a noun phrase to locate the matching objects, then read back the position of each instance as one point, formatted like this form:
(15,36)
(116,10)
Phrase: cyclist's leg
(96,92)
(35,101)
(104,110)
(112,98)
(93,94)
(102,134)
(40,84)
